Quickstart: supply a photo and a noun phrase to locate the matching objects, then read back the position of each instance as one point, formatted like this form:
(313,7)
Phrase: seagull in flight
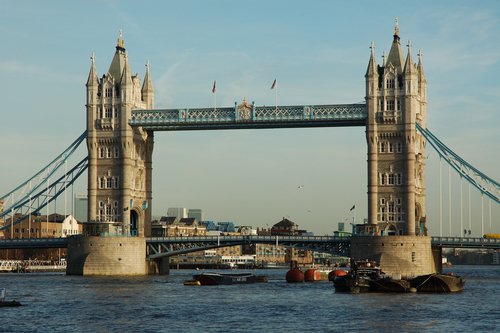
(300,186)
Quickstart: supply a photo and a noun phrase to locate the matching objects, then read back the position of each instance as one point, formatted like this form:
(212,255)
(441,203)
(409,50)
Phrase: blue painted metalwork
(250,116)
(482,182)
(22,193)
(34,243)
(172,246)
(158,247)
(37,201)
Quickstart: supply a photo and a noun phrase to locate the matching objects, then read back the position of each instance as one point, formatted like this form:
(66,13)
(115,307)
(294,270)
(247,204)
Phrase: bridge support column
(92,255)
(437,253)
(405,255)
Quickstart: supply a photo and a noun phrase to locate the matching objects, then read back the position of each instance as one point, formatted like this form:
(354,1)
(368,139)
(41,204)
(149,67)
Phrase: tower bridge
(121,121)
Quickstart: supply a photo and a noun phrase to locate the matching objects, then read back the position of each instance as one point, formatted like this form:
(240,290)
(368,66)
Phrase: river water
(59,303)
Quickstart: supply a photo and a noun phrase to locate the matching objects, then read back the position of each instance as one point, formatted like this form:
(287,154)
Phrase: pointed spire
(126,78)
(420,67)
(92,80)
(396,53)
(396,28)
(383,59)
(117,64)
(409,65)
(147,86)
(120,45)
(372,65)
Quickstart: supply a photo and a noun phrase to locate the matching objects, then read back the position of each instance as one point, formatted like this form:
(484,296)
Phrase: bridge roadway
(158,247)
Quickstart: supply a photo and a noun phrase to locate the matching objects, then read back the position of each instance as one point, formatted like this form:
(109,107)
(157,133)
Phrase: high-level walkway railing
(250,117)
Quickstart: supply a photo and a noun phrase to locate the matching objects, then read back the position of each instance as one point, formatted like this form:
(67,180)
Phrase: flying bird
(300,186)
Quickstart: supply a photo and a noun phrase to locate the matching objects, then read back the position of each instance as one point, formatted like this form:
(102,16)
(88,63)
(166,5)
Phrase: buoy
(312,275)
(294,275)
(335,273)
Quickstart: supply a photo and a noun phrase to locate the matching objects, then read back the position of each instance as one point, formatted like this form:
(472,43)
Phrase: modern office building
(179,212)
(81,207)
(196,213)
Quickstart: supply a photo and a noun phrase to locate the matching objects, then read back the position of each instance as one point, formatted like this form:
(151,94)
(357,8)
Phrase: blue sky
(317,50)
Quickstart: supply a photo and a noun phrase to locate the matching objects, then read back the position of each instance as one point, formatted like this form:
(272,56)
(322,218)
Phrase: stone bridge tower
(396,101)
(396,234)
(120,164)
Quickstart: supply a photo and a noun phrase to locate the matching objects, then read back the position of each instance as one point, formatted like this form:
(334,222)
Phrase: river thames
(59,303)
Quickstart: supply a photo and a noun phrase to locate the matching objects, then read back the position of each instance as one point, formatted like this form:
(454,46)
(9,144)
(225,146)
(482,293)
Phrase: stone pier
(92,255)
(405,255)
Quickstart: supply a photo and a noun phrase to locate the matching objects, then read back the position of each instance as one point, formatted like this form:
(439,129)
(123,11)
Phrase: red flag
(274,84)
(213,88)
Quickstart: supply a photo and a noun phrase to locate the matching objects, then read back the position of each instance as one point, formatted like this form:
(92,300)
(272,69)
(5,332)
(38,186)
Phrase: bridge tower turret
(396,101)
(119,174)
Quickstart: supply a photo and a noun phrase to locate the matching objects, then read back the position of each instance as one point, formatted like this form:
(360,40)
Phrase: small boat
(359,279)
(211,279)
(438,283)
(4,303)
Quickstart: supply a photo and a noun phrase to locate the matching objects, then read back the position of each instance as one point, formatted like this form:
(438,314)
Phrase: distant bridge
(158,247)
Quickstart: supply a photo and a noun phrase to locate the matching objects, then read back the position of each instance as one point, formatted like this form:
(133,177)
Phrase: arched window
(389,83)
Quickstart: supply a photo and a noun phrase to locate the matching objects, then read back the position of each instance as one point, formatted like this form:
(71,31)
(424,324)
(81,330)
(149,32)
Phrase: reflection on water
(59,303)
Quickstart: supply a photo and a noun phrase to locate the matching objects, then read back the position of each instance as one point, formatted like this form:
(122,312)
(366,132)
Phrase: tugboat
(359,278)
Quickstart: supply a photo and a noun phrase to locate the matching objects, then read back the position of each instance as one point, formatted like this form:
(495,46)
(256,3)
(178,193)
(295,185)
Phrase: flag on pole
(352,208)
(273,85)
(213,88)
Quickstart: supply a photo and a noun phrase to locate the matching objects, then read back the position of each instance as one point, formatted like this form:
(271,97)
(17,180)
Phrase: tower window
(382,179)
(109,92)
(399,179)
(399,147)
(108,112)
(382,147)
(390,105)
(390,84)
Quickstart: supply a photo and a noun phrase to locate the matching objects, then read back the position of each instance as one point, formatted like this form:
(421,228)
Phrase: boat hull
(438,283)
(9,304)
(391,285)
(212,279)
(351,284)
